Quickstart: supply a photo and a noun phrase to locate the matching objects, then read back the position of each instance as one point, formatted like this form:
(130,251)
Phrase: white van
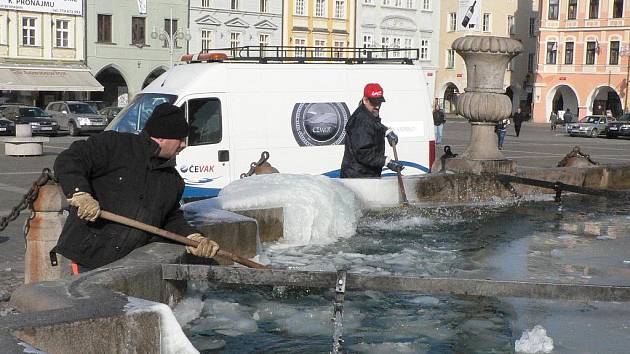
(295,111)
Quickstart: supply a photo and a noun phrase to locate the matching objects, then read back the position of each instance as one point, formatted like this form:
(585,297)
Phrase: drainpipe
(85,40)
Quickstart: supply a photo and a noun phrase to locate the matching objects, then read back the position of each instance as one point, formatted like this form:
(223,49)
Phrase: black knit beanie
(167,121)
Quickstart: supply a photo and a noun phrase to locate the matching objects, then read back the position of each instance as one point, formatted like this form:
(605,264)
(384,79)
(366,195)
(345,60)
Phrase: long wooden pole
(175,237)
(401,186)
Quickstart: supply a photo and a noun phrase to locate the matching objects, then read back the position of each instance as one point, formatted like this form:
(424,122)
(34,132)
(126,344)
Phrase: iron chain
(27,200)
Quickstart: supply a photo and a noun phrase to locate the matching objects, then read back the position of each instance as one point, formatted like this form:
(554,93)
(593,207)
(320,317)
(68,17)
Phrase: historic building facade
(401,24)
(130,43)
(517,19)
(42,55)
(583,61)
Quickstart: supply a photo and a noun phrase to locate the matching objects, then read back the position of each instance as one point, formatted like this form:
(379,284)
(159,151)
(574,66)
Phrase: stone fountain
(483,103)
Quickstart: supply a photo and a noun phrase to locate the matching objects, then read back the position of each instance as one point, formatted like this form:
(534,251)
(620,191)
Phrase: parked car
(620,127)
(97,105)
(76,117)
(7,127)
(589,126)
(5,105)
(40,121)
(110,112)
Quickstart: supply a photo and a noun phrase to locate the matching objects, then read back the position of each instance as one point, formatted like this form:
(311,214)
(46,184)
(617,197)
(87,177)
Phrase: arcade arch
(153,75)
(561,98)
(115,88)
(602,99)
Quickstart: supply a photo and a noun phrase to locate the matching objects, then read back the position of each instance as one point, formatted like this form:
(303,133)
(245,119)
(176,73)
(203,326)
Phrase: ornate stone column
(484,102)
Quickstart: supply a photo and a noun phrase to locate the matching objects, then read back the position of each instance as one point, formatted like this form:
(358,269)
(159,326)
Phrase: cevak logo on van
(317,124)
(197,168)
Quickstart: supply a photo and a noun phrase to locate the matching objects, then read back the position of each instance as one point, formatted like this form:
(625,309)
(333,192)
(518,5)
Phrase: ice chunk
(389,347)
(188,309)
(534,341)
(317,209)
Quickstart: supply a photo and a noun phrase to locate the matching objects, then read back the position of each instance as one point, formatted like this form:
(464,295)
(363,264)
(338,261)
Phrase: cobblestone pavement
(536,147)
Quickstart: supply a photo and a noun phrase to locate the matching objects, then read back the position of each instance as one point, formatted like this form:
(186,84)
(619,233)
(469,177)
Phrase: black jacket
(364,154)
(123,172)
(519,118)
(438,117)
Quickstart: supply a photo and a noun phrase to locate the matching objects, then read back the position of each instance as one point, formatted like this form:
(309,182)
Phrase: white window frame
(368,40)
(425,49)
(61,32)
(450,59)
(396,44)
(596,55)
(235,5)
(319,45)
(320,9)
(385,42)
(407,44)
(426,5)
(263,39)
(511,25)
(409,4)
(486,22)
(299,8)
(235,41)
(547,51)
(340,9)
(610,40)
(368,2)
(452,22)
(264,6)
(341,45)
(207,39)
(206,3)
(398,3)
(387,3)
(299,44)
(30,39)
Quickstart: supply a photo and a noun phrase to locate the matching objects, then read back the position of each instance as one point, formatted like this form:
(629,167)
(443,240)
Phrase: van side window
(204,117)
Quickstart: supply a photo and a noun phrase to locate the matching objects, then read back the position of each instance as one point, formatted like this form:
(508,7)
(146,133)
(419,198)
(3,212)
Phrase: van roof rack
(298,54)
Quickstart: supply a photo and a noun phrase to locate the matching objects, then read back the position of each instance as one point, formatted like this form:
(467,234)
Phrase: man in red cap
(128,174)
(364,154)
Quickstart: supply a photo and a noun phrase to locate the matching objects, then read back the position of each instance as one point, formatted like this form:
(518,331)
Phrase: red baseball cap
(374,92)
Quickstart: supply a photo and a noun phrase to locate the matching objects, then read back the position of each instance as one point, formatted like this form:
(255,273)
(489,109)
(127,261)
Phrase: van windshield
(133,117)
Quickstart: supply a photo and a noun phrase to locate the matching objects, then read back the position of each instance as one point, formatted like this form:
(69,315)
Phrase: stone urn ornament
(484,102)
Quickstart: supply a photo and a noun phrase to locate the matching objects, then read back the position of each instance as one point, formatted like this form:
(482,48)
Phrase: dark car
(620,127)
(7,127)
(40,121)
(110,112)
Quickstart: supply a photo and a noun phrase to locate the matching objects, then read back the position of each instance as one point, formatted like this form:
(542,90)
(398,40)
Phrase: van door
(205,163)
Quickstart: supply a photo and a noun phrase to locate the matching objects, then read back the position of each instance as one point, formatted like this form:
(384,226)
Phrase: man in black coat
(130,175)
(364,154)
(518,119)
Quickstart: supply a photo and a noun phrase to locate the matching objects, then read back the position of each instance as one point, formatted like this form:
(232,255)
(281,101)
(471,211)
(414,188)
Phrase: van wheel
(594,133)
(73,130)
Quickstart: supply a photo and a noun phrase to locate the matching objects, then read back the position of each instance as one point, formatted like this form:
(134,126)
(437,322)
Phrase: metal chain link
(27,201)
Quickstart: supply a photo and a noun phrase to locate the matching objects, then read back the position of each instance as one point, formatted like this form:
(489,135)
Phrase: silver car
(76,117)
(589,126)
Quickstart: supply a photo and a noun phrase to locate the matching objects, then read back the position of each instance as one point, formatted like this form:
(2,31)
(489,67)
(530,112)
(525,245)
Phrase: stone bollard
(23,130)
(43,233)
(24,143)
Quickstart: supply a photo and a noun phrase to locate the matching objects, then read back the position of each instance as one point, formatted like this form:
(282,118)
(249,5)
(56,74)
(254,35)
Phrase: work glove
(87,207)
(392,138)
(206,247)
(394,165)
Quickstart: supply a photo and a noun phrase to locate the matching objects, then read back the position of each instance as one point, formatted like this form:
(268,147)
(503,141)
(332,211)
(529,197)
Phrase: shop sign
(65,7)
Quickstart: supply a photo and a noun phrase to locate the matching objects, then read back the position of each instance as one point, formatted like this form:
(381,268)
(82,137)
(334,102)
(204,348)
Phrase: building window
(485,25)
(339,45)
(568,53)
(264,6)
(385,42)
(320,8)
(340,8)
(300,47)
(591,48)
(299,7)
(396,45)
(552,52)
(532,26)
(104,28)
(235,42)
(554,7)
(618,9)
(452,21)
(170,28)
(593,9)
(234,4)
(205,3)
(450,59)
(530,63)
(138,29)
(572,10)
(510,24)
(368,2)
(408,44)
(320,44)
(263,40)
(424,49)
(426,5)
(409,4)
(207,40)
(397,3)
(62,34)
(28,30)
(386,3)
(614,53)
(367,41)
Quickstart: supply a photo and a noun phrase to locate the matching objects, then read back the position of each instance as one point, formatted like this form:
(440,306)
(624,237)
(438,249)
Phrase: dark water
(584,240)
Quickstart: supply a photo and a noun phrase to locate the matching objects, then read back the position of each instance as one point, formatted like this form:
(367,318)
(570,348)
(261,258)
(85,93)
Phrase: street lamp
(625,52)
(170,37)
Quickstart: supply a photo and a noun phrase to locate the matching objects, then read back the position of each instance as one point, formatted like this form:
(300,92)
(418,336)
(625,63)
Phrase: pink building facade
(583,58)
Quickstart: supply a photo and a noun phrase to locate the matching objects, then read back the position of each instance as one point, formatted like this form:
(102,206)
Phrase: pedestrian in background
(568,118)
(438,122)
(553,120)
(518,119)
(501,128)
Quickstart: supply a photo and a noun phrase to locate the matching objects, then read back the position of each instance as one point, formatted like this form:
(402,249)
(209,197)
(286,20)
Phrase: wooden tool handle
(401,186)
(175,237)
